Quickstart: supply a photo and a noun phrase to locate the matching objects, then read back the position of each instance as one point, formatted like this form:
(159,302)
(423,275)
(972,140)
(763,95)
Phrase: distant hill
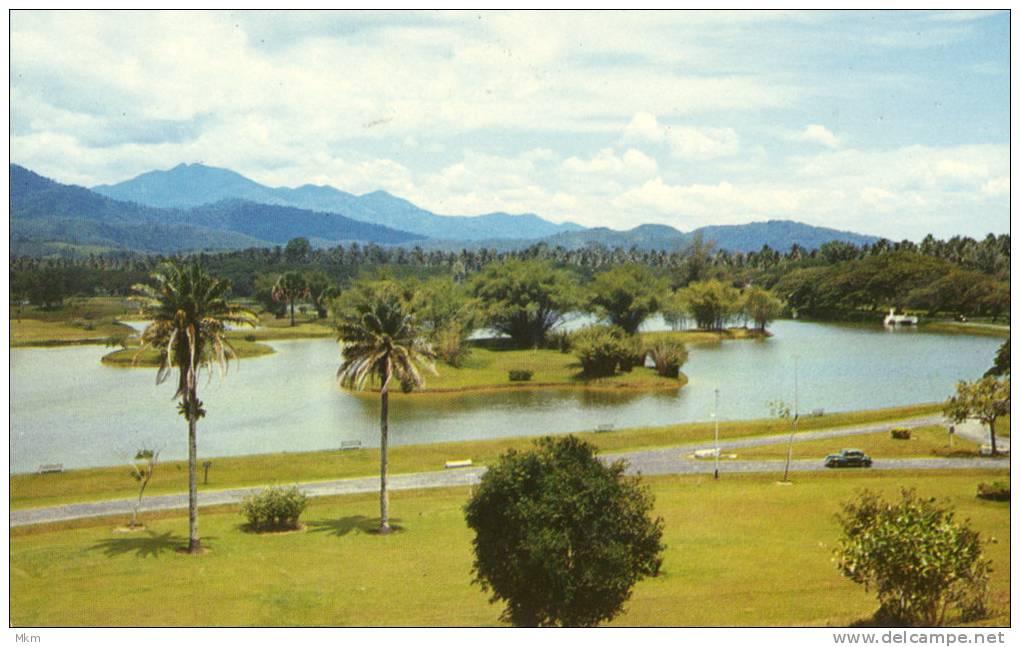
(47,216)
(191,185)
(780,235)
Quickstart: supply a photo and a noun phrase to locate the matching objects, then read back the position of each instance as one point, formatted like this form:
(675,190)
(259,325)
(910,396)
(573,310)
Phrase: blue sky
(889,123)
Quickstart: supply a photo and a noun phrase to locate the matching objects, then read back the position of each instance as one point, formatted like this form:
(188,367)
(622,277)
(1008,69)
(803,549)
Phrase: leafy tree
(321,290)
(674,311)
(602,350)
(290,287)
(710,303)
(560,537)
(986,399)
(919,560)
(189,315)
(696,259)
(760,306)
(625,295)
(381,340)
(524,299)
(1001,365)
(297,250)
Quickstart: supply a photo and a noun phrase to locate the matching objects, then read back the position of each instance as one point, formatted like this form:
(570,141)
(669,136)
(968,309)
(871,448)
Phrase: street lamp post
(718,450)
(793,428)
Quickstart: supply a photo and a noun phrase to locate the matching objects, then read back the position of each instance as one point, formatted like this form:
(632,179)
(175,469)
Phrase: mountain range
(190,185)
(196,207)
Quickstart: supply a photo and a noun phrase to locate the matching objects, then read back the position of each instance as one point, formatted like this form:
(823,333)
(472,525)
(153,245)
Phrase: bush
(994,491)
(603,350)
(560,537)
(668,357)
(451,345)
(900,433)
(250,337)
(919,560)
(559,340)
(521,375)
(274,508)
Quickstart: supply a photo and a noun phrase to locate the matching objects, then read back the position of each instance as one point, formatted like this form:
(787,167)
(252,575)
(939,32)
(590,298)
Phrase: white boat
(893,319)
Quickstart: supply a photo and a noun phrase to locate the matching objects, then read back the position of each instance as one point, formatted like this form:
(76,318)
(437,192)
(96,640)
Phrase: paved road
(977,432)
(672,460)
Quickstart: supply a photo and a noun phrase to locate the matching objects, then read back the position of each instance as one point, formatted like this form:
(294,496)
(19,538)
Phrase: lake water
(66,407)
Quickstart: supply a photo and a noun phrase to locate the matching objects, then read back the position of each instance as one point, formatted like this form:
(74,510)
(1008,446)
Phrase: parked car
(848,458)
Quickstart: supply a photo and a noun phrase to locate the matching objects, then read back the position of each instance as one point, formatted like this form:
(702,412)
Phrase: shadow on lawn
(148,545)
(345,525)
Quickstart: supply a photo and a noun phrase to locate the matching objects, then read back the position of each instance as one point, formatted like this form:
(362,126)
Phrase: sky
(887,123)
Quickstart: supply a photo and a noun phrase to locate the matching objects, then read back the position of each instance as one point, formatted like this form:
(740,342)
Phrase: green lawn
(77,321)
(923,442)
(741,551)
(34,490)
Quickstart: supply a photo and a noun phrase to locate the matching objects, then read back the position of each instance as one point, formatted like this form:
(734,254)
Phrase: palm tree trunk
(292,312)
(193,542)
(384,424)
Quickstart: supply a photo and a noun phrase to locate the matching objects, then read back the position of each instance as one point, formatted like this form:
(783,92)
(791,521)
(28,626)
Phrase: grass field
(34,490)
(924,442)
(77,321)
(741,551)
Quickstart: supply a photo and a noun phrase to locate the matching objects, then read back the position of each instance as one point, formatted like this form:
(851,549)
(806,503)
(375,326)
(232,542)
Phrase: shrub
(919,560)
(994,491)
(560,537)
(521,375)
(274,508)
(900,433)
(559,340)
(249,337)
(604,349)
(668,357)
(451,345)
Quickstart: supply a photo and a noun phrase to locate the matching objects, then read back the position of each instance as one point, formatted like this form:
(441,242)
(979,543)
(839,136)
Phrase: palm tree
(290,287)
(381,339)
(189,315)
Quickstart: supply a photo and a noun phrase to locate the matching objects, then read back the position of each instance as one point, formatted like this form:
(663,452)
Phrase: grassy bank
(77,321)
(960,328)
(149,358)
(34,490)
(741,551)
(489,364)
(924,442)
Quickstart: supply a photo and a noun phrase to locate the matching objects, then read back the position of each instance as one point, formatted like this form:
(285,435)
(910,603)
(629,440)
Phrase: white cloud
(818,134)
(683,142)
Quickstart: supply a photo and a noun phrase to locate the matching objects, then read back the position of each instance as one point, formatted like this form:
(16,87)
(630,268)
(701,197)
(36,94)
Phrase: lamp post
(793,428)
(718,450)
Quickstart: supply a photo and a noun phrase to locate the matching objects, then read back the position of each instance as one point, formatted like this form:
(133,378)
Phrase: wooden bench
(350,444)
(604,428)
(455,464)
(51,468)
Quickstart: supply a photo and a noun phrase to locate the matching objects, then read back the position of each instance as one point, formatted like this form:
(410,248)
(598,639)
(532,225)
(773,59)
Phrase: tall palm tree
(380,339)
(290,287)
(189,315)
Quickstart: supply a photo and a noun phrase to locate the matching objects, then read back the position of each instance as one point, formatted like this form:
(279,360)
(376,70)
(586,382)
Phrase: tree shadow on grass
(346,525)
(148,545)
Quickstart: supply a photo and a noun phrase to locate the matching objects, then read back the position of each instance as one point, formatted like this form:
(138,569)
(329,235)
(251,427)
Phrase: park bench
(51,468)
(454,464)
(350,444)
(606,427)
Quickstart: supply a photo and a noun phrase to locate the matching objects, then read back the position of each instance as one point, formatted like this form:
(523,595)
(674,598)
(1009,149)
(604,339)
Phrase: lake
(66,407)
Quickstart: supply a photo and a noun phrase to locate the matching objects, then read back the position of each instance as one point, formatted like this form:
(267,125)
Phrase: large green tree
(760,306)
(626,295)
(710,303)
(381,341)
(524,299)
(561,537)
(189,313)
